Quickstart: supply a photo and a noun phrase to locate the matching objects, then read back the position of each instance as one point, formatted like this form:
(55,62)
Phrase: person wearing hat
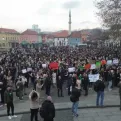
(47,111)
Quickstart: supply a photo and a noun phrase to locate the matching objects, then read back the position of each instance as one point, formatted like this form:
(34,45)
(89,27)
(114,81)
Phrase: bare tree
(110,13)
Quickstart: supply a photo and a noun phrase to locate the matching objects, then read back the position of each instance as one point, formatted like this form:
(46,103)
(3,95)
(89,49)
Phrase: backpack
(96,86)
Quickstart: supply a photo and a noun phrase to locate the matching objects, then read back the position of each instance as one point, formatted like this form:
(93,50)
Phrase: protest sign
(44,65)
(115,61)
(24,71)
(93,77)
(93,66)
(109,62)
(72,69)
(29,69)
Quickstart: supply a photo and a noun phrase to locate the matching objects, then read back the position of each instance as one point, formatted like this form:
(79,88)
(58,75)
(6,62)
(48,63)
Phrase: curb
(61,109)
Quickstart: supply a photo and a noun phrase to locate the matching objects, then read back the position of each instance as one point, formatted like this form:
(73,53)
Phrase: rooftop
(5,30)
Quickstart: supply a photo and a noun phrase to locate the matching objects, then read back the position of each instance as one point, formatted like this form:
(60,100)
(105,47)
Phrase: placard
(93,77)
(93,66)
(29,69)
(115,61)
(71,69)
(24,71)
(109,62)
(44,65)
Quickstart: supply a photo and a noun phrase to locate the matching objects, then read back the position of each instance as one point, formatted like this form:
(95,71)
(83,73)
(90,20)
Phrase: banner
(71,69)
(24,71)
(93,66)
(44,65)
(115,61)
(109,62)
(98,64)
(93,77)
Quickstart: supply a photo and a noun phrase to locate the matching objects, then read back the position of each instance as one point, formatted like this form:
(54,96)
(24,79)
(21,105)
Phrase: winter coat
(76,94)
(47,111)
(100,86)
(59,83)
(8,96)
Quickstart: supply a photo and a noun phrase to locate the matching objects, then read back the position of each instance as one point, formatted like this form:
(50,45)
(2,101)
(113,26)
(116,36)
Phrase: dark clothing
(34,113)
(8,97)
(59,83)
(76,94)
(10,106)
(48,112)
(100,86)
(110,77)
(47,85)
(85,83)
(74,82)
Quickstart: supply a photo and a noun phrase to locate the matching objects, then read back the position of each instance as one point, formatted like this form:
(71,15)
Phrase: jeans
(100,94)
(75,107)
(109,85)
(34,113)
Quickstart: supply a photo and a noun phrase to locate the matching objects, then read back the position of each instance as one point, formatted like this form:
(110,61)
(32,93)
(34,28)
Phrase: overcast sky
(50,15)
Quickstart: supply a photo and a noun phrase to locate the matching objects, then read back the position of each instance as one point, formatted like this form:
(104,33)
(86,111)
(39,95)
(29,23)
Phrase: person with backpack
(47,111)
(34,104)
(99,88)
(75,99)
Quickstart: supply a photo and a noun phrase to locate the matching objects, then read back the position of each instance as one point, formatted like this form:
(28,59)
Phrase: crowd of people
(13,76)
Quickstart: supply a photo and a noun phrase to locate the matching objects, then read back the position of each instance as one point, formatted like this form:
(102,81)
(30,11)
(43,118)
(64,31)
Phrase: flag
(87,66)
(98,64)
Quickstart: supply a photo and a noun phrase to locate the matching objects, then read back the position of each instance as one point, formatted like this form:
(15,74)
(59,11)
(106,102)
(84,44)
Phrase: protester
(9,102)
(20,88)
(47,111)
(75,99)
(39,86)
(119,85)
(99,88)
(34,104)
(60,86)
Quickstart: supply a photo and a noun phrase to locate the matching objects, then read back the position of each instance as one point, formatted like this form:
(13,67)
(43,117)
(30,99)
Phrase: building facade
(75,38)
(9,38)
(29,36)
(61,38)
(36,28)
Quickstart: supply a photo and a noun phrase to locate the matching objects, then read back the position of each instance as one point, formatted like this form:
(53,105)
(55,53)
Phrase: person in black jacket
(60,86)
(100,92)
(85,82)
(47,85)
(75,99)
(47,111)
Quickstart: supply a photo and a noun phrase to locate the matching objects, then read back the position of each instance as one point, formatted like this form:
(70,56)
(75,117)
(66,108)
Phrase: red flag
(53,65)
(87,66)
(103,62)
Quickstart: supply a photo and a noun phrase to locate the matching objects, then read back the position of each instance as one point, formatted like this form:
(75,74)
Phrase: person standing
(39,86)
(75,99)
(119,85)
(20,88)
(47,111)
(54,78)
(85,83)
(109,78)
(24,81)
(47,84)
(3,88)
(100,92)
(9,101)
(60,86)
(34,104)
(69,83)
